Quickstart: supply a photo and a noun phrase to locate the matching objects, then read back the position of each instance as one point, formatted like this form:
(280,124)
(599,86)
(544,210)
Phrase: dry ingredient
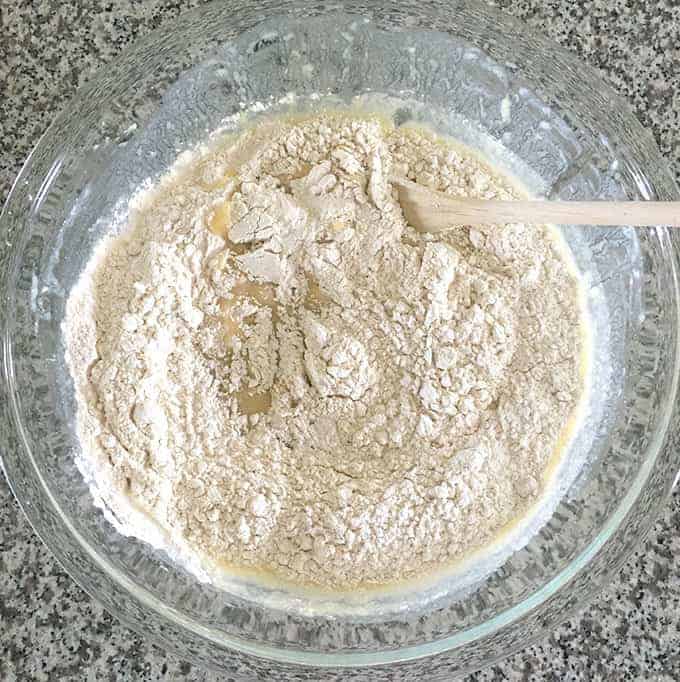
(286,377)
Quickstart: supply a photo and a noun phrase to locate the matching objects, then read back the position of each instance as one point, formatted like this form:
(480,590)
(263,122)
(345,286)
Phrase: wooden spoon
(431,211)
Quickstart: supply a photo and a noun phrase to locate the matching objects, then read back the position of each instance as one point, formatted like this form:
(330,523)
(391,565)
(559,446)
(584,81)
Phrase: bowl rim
(9,408)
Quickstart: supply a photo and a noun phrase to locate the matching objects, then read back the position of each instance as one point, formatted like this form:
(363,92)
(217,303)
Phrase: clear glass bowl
(466,70)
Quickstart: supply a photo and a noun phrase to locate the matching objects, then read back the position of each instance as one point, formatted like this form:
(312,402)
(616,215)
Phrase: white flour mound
(282,375)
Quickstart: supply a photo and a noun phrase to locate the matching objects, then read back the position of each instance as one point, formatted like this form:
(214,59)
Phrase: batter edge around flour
(134,519)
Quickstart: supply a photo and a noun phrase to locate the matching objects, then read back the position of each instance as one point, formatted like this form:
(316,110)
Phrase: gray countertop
(50,629)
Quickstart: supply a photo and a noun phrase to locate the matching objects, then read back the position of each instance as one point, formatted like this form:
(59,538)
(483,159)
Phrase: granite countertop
(50,629)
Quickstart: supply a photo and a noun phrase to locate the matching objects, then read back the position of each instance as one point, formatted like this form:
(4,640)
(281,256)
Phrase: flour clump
(284,376)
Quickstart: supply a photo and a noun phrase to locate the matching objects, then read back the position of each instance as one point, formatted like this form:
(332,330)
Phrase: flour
(284,376)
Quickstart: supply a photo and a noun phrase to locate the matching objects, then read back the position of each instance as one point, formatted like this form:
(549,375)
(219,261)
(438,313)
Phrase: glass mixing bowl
(465,70)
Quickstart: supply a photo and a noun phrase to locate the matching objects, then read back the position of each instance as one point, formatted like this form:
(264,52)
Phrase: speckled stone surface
(50,629)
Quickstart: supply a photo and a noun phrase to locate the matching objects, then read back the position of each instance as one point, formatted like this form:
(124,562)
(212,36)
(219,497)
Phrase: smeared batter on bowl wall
(278,374)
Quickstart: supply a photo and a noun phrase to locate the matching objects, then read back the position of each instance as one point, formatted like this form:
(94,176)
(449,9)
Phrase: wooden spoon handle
(604,213)
(434,211)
